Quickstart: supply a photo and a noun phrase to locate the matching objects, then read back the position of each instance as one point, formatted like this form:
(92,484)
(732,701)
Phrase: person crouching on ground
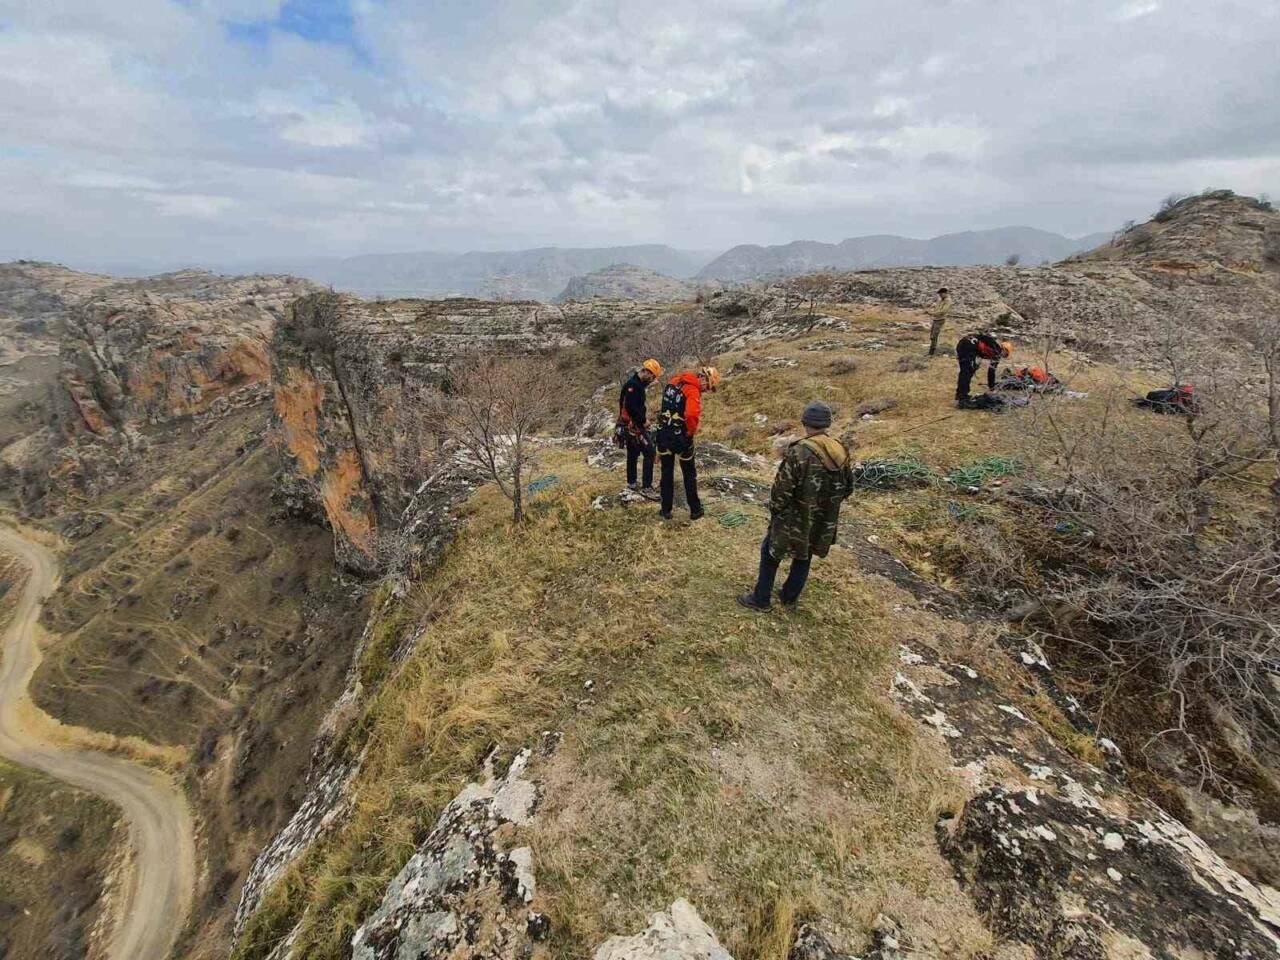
(677,425)
(813,480)
(633,423)
(938,314)
(971,351)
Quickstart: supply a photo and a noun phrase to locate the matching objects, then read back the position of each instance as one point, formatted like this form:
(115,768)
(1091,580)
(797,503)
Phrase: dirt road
(155,904)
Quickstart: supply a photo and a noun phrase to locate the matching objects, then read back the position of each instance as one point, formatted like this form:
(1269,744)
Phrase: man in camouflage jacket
(813,480)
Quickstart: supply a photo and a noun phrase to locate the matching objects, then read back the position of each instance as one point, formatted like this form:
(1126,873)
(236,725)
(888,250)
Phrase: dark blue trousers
(791,587)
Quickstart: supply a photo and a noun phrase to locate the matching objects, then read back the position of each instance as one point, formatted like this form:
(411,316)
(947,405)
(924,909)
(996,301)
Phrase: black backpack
(671,435)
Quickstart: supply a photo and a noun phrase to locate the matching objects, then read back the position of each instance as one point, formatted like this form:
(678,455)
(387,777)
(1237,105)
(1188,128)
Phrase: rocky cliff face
(153,350)
(352,380)
(34,299)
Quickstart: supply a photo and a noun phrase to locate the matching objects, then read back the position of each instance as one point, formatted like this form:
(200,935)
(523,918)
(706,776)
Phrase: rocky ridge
(149,351)
(624,281)
(1208,274)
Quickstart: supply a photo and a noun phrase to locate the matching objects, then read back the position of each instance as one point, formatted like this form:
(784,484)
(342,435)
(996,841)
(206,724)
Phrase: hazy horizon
(142,267)
(213,131)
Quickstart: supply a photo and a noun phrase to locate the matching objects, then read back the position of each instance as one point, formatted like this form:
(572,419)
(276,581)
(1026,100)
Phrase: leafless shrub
(841,366)
(1178,584)
(1013,259)
(910,364)
(493,408)
(673,340)
(1167,206)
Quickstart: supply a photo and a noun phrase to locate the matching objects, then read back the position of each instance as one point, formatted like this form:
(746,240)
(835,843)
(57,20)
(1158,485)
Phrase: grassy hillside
(752,763)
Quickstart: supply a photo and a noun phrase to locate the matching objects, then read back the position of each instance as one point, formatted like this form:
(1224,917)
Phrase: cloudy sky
(221,130)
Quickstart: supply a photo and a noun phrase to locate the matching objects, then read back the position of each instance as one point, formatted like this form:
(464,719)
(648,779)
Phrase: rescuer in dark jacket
(633,423)
(971,350)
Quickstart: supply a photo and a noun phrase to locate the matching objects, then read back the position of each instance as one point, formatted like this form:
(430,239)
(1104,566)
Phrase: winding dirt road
(157,894)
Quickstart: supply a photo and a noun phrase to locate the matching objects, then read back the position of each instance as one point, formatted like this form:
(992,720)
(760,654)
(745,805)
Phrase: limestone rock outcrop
(1062,855)
(467,890)
(153,350)
(352,381)
(677,933)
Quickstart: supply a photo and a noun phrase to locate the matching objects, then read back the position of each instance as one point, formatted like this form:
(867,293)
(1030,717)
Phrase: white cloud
(107,180)
(1137,8)
(522,122)
(198,206)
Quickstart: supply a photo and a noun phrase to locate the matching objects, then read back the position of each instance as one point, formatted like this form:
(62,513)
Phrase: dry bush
(874,406)
(674,340)
(493,408)
(841,366)
(1178,584)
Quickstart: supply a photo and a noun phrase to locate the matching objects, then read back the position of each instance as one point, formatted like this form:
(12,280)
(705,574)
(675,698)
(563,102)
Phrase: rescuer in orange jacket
(677,425)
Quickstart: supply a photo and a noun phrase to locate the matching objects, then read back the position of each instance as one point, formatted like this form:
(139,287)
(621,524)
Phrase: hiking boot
(665,514)
(649,493)
(748,600)
(785,603)
(697,514)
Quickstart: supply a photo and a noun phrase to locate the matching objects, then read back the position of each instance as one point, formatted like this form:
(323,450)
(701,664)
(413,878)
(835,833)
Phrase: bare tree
(493,408)
(674,339)
(1013,259)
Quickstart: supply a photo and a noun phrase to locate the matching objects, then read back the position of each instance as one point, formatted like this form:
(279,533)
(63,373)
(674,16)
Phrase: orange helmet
(653,366)
(1006,347)
(712,376)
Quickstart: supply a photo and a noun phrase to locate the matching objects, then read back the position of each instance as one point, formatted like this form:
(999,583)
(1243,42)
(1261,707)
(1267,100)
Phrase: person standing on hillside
(633,423)
(971,350)
(813,480)
(939,313)
(677,424)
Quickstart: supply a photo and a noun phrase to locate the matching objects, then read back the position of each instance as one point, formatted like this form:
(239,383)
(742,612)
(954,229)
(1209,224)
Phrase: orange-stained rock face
(346,505)
(298,397)
(150,351)
(352,382)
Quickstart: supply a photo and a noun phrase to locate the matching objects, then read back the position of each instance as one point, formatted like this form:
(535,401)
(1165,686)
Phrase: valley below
(160,875)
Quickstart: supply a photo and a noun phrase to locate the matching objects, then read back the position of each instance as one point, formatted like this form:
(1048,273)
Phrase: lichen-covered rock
(465,892)
(1066,877)
(887,943)
(677,933)
(1062,855)
(322,806)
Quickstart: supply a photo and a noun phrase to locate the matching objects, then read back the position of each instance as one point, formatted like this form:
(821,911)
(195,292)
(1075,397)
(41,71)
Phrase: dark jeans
(688,471)
(636,448)
(791,587)
(969,360)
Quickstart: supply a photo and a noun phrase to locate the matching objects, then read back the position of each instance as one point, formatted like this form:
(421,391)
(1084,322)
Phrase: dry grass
(55,847)
(752,763)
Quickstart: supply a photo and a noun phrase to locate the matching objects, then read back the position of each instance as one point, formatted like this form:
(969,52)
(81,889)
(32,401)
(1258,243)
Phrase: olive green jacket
(812,482)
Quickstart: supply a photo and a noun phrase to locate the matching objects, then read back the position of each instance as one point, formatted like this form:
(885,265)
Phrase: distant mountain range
(538,274)
(544,273)
(970,248)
